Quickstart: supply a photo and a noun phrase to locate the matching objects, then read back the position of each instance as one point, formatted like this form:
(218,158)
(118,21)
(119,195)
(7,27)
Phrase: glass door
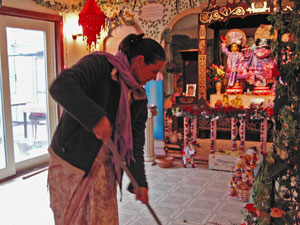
(27,68)
(3,162)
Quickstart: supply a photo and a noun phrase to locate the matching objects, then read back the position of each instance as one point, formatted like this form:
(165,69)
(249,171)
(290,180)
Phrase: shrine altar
(235,130)
(246,99)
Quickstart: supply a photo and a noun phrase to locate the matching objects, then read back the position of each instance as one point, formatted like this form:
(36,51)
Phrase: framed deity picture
(190,90)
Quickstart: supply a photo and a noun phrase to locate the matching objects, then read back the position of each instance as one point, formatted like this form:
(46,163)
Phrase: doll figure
(252,157)
(226,101)
(260,63)
(188,153)
(237,102)
(234,40)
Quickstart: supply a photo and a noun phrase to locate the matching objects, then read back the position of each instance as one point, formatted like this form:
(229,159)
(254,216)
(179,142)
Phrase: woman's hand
(143,197)
(103,130)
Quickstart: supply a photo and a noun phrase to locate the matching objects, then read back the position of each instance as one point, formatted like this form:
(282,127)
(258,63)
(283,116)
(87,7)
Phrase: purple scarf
(123,131)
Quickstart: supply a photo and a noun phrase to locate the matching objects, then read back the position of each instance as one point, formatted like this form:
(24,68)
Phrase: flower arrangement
(216,73)
(250,213)
(243,175)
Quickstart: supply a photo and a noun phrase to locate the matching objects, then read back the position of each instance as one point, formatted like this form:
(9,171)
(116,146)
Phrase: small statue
(188,153)
(234,39)
(252,157)
(261,61)
(226,100)
(237,102)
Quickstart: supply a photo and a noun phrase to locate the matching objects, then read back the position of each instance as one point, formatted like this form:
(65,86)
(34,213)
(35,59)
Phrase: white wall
(73,49)
(117,35)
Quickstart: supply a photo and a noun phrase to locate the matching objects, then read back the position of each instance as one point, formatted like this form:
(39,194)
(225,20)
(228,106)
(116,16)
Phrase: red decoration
(270,111)
(251,209)
(91,18)
(275,71)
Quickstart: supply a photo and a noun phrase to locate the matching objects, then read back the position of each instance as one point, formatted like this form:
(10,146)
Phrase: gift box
(221,161)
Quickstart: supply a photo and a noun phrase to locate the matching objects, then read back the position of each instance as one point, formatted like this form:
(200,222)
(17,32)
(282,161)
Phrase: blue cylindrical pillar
(154,92)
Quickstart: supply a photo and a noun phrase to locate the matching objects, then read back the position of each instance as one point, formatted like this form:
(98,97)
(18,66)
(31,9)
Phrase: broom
(115,152)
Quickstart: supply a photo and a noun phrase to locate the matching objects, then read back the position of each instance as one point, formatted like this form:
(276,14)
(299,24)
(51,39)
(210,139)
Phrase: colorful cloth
(234,69)
(260,67)
(98,202)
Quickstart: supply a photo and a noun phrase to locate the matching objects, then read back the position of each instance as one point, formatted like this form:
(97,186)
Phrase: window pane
(27,78)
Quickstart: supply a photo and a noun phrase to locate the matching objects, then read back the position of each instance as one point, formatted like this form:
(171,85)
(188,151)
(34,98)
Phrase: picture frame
(190,90)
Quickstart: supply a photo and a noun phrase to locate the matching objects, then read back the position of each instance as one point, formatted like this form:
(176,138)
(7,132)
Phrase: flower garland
(189,130)
(153,29)
(242,132)
(235,114)
(233,134)
(251,113)
(64,7)
(213,134)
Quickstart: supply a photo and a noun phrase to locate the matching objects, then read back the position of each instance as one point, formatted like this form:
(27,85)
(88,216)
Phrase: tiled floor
(178,196)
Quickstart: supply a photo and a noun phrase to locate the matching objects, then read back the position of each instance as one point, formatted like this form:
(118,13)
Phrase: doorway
(27,115)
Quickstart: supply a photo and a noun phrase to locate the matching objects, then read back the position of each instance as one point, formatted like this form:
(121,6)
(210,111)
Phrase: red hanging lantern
(91,18)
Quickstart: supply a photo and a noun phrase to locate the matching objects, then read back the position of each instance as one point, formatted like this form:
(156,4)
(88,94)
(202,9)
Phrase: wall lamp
(74,36)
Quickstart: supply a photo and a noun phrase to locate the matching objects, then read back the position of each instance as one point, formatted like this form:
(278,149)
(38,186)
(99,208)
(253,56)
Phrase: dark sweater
(87,92)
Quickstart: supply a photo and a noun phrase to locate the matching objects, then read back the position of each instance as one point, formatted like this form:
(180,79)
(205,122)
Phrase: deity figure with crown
(232,46)
(260,62)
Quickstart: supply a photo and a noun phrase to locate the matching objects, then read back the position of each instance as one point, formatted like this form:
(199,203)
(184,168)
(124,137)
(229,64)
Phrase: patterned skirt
(97,202)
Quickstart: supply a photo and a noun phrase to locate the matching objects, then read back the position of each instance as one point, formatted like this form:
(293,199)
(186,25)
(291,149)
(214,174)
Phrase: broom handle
(115,152)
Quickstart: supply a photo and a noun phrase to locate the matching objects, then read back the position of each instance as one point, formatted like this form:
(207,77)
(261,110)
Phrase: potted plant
(216,74)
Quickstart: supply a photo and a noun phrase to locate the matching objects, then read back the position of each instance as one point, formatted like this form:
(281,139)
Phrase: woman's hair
(134,45)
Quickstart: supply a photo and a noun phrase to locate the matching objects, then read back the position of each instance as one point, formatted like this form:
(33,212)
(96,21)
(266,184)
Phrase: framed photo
(190,90)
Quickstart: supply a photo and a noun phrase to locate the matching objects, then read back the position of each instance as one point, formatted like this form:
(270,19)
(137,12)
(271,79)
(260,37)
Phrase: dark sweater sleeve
(137,168)
(73,89)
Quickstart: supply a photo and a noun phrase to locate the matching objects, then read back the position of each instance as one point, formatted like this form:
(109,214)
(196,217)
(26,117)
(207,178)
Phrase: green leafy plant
(277,187)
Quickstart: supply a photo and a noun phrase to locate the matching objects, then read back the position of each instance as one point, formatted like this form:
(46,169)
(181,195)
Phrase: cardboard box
(221,161)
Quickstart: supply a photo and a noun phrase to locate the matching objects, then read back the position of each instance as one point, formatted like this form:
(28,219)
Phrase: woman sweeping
(103,98)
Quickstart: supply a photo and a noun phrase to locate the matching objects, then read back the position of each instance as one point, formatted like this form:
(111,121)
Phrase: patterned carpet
(183,196)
